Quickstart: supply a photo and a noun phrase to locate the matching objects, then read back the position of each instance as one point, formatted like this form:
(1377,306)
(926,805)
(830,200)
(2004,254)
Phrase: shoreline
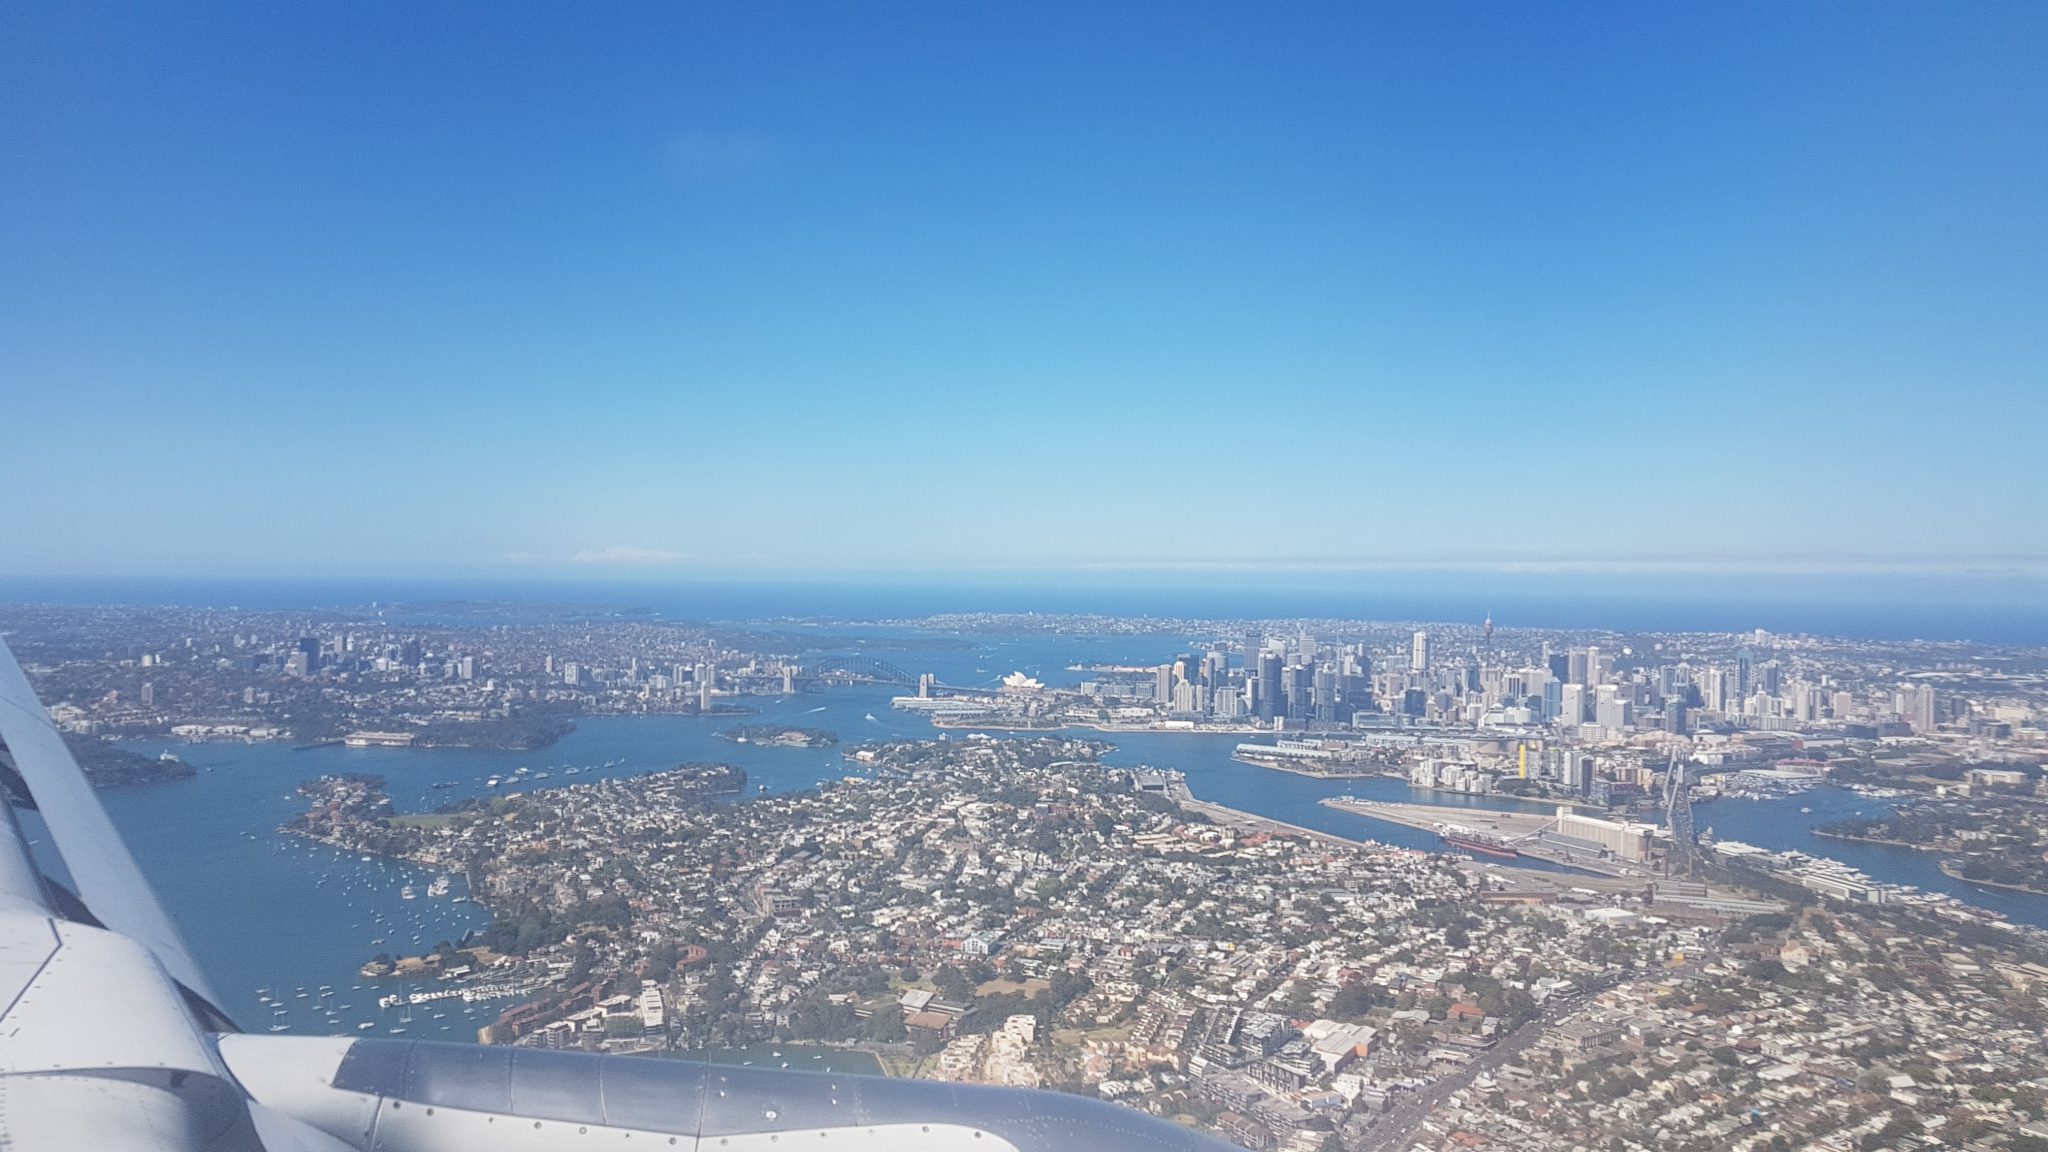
(1238,817)
(1847,838)
(1948,869)
(1384,774)
(1279,767)
(1224,814)
(1427,822)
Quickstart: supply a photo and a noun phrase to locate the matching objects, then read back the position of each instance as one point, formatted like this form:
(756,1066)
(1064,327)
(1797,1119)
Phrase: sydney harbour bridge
(822,672)
(830,671)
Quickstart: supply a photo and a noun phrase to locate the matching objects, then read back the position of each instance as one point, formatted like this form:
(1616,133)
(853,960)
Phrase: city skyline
(713,289)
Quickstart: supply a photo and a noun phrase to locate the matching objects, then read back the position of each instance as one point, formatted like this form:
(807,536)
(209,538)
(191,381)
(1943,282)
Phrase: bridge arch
(859,667)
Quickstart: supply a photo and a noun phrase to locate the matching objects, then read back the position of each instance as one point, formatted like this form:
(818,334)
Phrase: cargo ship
(1466,841)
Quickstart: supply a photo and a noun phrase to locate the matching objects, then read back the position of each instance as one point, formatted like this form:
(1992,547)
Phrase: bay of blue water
(264,911)
(1778,824)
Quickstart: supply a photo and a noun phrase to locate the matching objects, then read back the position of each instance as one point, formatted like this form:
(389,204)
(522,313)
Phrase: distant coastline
(1877,606)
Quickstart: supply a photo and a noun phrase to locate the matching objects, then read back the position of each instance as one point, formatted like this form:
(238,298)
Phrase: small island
(781,736)
(705,778)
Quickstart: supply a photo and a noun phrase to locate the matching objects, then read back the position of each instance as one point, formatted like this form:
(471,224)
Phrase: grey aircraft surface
(111,1040)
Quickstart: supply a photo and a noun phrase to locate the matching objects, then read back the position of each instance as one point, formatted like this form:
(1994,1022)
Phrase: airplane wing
(109,1040)
(107,879)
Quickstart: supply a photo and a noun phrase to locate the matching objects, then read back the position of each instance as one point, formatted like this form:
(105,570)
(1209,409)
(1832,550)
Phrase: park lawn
(424,820)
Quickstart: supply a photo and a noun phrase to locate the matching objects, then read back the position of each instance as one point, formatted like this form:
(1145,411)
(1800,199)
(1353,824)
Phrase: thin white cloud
(2009,566)
(629,556)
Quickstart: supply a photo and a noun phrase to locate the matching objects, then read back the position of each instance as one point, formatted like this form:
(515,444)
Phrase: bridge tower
(1684,859)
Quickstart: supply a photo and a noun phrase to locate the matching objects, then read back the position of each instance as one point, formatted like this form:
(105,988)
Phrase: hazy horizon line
(623,564)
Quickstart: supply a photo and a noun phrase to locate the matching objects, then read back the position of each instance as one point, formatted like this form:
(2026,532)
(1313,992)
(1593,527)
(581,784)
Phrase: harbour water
(270,915)
(1781,824)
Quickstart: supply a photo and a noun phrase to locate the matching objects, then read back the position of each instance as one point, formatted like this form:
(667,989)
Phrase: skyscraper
(1571,704)
(1717,688)
(1299,696)
(1418,656)
(1920,700)
(1270,693)
(1228,703)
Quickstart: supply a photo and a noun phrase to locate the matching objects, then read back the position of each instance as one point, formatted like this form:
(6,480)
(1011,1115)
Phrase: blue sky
(318,289)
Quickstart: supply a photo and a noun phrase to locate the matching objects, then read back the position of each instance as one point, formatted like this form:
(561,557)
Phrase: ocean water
(2001,609)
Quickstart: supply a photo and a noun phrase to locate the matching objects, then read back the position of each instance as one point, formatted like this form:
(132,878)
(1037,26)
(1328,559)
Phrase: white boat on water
(406,893)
